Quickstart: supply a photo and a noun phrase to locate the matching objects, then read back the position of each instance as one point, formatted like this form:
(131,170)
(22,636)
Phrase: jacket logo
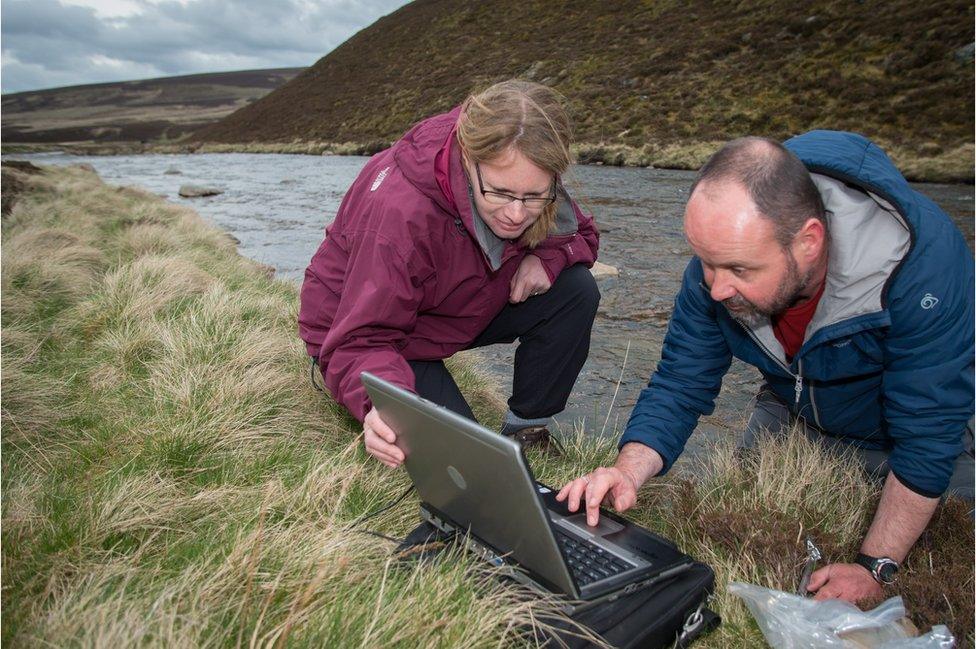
(380,177)
(929,301)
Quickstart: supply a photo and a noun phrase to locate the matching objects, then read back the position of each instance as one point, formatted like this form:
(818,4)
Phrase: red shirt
(790,326)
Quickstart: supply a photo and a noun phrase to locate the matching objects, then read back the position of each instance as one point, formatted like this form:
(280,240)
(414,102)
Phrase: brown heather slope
(638,73)
(133,111)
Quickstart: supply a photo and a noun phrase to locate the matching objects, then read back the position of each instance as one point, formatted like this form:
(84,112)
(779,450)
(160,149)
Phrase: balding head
(774,178)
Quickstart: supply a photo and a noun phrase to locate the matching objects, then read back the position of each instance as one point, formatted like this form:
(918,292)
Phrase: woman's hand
(530,279)
(380,440)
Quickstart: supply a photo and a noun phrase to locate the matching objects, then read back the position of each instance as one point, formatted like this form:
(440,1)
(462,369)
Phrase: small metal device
(813,556)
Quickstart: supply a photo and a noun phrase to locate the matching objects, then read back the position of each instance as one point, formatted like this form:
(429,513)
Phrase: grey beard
(788,292)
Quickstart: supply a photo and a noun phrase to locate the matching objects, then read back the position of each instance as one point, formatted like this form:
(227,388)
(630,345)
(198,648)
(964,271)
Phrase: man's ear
(810,241)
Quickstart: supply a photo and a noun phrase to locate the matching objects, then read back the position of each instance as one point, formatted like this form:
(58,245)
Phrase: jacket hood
(857,161)
(869,210)
(429,158)
(873,216)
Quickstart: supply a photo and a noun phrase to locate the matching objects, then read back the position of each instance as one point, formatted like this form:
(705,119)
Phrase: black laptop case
(669,614)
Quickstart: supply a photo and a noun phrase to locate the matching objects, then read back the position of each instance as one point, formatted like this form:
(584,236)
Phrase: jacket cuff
(914,487)
(627,438)
(552,264)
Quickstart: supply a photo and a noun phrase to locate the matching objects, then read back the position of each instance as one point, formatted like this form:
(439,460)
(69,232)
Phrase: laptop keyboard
(587,561)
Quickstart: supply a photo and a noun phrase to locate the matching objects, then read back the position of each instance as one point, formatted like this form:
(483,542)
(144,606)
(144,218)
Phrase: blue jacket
(887,361)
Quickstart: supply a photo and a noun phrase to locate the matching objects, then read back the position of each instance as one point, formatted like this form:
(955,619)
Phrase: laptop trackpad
(604,527)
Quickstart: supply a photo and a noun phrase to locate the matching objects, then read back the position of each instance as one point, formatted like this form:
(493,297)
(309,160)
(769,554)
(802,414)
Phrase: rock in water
(196,191)
(965,54)
(600,271)
(22,166)
(173,171)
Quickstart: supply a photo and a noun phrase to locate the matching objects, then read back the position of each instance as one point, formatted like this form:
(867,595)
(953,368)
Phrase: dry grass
(171,479)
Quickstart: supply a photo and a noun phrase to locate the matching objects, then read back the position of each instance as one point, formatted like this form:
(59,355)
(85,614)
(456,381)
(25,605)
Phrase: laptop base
(509,569)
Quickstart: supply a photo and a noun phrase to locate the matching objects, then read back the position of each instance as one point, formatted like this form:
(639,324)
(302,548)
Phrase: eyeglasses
(500,198)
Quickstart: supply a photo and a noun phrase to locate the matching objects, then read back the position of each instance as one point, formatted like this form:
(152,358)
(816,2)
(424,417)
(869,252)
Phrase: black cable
(559,444)
(380,535)
(377,512)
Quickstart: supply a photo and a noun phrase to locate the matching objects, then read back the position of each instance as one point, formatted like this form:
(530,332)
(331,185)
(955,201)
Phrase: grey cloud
(45,42)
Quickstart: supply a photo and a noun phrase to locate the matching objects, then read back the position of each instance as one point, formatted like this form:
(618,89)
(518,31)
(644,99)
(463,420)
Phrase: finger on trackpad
(604,527)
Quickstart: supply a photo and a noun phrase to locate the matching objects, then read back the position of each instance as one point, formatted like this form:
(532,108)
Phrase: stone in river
(196,191)
(601,271)
(173,171)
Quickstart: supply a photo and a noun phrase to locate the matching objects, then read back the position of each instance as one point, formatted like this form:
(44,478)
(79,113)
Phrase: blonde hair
(528,117)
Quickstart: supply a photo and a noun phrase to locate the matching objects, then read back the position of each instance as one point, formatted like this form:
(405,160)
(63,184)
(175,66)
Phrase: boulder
(22,166)
(266,269)
(601,271)
(196,191)
(173,171)
(12,182)
(965,54)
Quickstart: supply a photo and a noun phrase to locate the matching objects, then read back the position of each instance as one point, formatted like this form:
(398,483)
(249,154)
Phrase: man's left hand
(530,279)
(847,581)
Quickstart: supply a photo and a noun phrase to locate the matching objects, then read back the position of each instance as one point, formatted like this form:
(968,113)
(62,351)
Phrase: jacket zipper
(798,388)
(797,378)
(813,406)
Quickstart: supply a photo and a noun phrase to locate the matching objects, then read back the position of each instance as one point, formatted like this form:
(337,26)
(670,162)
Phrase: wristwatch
(883,569)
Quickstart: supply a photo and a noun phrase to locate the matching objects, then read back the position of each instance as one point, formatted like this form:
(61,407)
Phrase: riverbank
(924,163)
(170,478)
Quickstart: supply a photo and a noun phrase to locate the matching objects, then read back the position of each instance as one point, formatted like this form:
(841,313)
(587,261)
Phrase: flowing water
(279,205)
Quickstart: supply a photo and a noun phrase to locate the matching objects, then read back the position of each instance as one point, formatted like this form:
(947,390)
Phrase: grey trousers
(772,415)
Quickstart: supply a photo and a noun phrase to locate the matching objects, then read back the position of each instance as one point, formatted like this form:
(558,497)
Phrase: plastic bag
(789,621)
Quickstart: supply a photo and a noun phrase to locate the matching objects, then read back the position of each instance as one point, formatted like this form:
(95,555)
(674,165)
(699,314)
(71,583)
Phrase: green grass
(171,479)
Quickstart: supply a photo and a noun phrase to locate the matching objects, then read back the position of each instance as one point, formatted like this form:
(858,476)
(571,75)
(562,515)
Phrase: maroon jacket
(401,275)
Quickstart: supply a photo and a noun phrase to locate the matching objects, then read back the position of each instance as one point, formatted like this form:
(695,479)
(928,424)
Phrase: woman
(458,236)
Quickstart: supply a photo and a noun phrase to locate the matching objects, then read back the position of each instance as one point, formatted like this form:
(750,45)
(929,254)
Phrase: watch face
(886,571)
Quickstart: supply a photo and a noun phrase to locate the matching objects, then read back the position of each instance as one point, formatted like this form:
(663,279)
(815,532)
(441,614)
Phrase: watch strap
(875,564)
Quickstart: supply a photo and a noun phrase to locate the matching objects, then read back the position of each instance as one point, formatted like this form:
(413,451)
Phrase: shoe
(535,437)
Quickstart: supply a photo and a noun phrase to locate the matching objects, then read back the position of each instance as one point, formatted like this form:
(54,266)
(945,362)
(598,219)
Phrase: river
(279,205)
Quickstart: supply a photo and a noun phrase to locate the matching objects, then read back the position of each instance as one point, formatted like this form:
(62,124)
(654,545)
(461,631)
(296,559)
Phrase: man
(853,296)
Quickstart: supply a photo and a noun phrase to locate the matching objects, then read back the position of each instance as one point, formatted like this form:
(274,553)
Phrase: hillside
(133,111)
(665,72)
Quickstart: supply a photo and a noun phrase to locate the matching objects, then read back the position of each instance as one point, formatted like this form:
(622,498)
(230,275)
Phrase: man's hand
(900,518)
(380,440)
(530,279)
(605,484)
(847,581)
(616,485)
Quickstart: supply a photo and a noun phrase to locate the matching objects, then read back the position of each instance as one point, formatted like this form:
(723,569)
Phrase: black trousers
(553,330)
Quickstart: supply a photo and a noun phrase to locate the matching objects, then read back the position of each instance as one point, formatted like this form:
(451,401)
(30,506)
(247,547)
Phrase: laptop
(476,483)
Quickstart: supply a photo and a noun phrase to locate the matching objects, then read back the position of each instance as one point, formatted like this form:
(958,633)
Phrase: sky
(51,43)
